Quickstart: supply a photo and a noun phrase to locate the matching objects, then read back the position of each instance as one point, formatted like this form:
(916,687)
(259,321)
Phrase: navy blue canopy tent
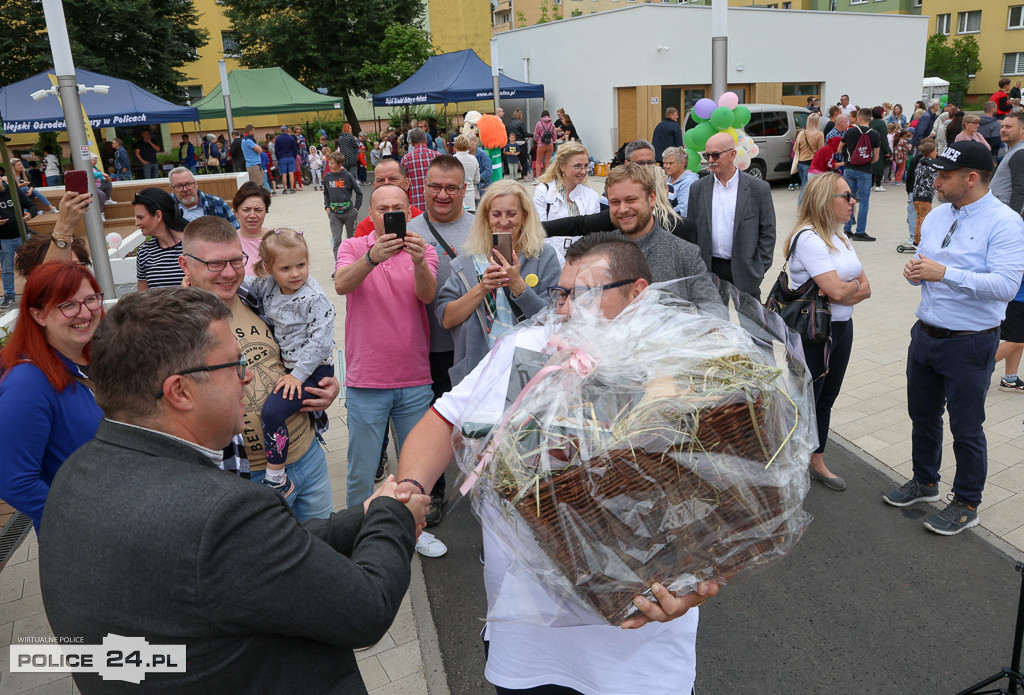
(455,77)
(126,104)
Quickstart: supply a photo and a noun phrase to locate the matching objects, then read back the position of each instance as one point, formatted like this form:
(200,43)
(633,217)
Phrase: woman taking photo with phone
(157,215)
(45,396)
(487,293)
(824,253)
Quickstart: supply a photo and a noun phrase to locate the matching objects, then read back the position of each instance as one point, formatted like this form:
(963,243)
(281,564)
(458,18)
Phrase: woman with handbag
(819,251)
(808,142)
(488,294)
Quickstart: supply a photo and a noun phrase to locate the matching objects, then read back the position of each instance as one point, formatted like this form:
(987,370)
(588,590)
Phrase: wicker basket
(660,507)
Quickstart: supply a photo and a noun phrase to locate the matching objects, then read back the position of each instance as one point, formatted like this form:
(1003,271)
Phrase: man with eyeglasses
(603,274)
(144,536)
(735,218)
(445,226)
(968,265)
(387,282)
(192,202)
(213,260)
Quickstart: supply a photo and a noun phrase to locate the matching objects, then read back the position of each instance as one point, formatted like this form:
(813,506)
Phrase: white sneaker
(879,189)
(429,546)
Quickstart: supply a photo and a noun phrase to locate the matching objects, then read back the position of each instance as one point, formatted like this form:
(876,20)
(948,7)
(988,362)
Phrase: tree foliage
(406,49)
(321,43)
(952,63)
(144,41)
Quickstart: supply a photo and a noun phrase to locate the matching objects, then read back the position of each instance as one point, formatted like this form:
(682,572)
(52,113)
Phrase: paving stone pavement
(870,414)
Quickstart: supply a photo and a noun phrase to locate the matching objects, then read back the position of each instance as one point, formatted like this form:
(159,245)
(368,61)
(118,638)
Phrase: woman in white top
(472,168)
(824,253)
(562,190)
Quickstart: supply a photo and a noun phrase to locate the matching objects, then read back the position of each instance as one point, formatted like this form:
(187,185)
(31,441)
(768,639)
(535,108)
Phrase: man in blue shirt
(122,163)
(287,148)
(969,265)
(252,151)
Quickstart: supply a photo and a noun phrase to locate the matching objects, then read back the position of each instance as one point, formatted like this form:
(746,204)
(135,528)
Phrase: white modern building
(616,72)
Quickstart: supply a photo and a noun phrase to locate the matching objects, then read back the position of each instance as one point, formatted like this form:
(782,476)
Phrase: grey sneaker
(956,517)
(912,492)
(7,302)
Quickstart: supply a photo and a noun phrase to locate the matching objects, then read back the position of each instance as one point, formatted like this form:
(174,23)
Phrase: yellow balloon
(732,133)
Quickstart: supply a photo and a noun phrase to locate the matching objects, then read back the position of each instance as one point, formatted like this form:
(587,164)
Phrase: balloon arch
(727,116)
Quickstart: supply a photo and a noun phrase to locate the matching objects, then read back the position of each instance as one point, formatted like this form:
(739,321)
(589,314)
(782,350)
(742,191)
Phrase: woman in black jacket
(518,128)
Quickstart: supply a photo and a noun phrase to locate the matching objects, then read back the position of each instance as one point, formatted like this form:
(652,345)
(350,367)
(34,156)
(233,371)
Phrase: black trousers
(440,363)
(826,389)
(950,374)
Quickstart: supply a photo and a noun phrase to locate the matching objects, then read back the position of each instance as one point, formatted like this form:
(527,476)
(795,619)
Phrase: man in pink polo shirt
(387,283)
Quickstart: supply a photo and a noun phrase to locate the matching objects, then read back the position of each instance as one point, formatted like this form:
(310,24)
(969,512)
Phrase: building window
(968,22)
(787,6)
(858,2)
(229,44)
(942,24)
(1016,17)
(917,3)
(1013,63)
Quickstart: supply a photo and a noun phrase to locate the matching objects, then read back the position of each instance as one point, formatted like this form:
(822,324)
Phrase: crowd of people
(209,448)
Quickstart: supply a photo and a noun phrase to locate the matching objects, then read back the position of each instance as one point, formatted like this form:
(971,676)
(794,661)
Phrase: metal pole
(719,48)
(81,157)
(226,92)
(494,75)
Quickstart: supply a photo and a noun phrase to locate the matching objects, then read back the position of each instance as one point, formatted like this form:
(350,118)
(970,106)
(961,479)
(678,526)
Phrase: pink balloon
(729,100)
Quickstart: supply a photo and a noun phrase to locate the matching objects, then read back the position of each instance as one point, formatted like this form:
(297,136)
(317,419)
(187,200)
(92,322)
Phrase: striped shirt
(158,267)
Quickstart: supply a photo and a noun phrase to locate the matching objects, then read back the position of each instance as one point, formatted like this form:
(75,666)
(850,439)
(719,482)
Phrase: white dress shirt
(723,215)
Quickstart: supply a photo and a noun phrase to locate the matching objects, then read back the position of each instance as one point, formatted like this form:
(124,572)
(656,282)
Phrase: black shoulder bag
(805,310)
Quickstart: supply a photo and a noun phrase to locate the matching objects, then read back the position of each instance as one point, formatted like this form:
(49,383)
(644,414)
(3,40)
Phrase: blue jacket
(50,426)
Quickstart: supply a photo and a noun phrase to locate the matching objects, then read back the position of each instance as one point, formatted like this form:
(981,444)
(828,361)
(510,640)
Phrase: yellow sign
(92,151)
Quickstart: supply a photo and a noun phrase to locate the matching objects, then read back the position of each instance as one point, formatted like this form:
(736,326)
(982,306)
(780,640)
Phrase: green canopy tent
(264,92)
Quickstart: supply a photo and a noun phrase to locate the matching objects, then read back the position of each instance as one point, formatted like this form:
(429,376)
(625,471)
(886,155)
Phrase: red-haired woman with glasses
(45,399)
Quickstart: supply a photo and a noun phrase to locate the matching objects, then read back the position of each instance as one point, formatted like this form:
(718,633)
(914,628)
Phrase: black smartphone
(394,223)
(502,243)
(76,180)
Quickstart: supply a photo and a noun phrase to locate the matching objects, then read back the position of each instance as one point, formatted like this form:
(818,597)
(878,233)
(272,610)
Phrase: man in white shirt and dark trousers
(735,218)
(969,265)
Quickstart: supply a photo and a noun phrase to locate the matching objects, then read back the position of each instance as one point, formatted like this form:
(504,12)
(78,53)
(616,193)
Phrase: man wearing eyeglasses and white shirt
(735,218)
(192,202)
(969,265)
(213,260)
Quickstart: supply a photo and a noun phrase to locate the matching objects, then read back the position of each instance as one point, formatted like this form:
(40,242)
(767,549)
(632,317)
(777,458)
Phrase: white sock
(275,476)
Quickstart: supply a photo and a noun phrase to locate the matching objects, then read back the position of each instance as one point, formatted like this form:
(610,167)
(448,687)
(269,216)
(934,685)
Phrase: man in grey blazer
(735,218)
(143,536)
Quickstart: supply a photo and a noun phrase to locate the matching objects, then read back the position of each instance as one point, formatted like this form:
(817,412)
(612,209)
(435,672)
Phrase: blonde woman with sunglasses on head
(824,253)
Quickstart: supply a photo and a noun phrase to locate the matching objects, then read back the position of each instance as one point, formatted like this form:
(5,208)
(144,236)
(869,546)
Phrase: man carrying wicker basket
(569,658)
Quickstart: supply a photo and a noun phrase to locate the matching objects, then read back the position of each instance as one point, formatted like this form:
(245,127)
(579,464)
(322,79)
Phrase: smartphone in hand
(76,180)
(394,223)
(502,243)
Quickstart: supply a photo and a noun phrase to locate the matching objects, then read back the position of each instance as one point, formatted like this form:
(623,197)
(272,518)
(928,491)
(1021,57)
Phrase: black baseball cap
(965,154)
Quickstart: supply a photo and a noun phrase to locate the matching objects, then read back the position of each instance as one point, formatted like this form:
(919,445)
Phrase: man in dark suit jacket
(143,536)
(667,133)
(737,238)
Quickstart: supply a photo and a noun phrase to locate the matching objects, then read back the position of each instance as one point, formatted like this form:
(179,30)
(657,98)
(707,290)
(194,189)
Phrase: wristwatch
(370,260)
(61,243)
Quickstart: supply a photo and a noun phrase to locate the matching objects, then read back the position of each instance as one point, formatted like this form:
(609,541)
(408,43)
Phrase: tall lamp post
(67,86)
(719,47)
(495,81)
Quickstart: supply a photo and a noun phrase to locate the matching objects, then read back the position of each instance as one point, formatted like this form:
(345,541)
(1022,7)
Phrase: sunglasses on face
(849,197)
(715,155)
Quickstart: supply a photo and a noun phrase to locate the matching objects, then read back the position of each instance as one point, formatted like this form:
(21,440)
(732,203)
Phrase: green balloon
(722,118)
(943,99)
(701,134)
(688,138)
(693,160)
(740,116)
(694,116)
